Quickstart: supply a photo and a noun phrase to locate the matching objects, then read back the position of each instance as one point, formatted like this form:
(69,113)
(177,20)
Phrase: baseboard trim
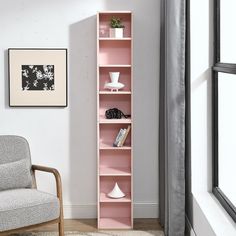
(89,211)
(81,211)
(189,229)
(146,210)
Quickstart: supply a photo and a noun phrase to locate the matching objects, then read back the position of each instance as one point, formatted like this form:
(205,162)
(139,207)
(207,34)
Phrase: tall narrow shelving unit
(115,164)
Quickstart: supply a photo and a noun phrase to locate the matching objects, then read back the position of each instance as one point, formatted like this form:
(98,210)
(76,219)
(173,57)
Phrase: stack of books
(121,137)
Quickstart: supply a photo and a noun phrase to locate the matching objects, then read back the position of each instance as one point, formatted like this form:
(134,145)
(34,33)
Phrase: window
(224,105)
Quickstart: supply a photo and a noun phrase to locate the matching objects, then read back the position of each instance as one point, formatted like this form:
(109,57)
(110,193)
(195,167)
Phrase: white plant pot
(116,192)
(116,32)
(114,77)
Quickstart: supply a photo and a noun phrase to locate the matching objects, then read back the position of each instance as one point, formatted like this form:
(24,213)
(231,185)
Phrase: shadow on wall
(114,5)
(6,82)
(82,103)
(145,96)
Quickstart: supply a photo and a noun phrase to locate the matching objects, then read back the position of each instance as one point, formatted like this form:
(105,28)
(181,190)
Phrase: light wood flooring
(90,225)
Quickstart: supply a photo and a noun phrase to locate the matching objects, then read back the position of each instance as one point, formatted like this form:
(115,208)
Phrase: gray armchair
(22,206)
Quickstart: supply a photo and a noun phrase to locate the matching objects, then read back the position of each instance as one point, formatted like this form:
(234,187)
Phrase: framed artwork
(37,77)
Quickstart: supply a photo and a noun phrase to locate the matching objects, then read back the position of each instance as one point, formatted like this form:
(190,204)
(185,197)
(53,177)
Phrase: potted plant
(116,30)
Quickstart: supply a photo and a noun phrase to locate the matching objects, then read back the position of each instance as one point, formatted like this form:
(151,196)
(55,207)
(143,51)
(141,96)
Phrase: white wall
(66,138)
(207,216)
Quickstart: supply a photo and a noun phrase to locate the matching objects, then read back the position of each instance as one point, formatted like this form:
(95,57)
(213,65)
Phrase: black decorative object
(37,77)
(115,113)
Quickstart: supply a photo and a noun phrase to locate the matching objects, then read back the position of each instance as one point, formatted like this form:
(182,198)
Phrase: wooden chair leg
(61,227)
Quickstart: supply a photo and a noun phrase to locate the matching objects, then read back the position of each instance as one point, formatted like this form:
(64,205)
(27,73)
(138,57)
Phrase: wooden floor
(90,225)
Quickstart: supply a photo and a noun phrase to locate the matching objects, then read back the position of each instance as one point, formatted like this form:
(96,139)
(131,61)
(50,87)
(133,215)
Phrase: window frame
(230,68)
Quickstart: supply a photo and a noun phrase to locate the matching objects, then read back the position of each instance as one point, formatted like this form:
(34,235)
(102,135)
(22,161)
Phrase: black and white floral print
(38,77)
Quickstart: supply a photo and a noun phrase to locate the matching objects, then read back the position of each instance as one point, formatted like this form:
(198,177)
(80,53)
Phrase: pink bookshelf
(115,164)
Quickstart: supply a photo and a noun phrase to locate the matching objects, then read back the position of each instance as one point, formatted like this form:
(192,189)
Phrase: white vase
(114,76)
(116,32)
(116,192)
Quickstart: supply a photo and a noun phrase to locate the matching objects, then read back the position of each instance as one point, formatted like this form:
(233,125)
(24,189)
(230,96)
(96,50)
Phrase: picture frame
(37,77)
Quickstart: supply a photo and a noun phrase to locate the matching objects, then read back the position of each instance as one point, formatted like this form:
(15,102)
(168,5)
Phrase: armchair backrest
(15,163)
(13,148)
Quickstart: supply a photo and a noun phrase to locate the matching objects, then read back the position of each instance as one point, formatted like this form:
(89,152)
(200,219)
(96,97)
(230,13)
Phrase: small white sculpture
(116,192)
(114,85)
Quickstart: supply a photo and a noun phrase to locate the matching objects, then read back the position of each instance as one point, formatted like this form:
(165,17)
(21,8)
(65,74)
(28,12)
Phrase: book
(118,137)
(123,138)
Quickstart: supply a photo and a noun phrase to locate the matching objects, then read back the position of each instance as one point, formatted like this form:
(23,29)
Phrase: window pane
(227,31)
(227,135)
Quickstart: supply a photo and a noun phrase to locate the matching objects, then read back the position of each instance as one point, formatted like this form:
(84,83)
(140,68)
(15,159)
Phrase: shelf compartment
(124,78)
(104,23)
(115,52)
(111,159)
(115,215)
(108,133)
(105,198)
(120,101)
(107,183)
(115,223)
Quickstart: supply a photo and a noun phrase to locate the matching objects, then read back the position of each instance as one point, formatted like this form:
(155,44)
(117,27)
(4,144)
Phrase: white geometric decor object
(116,192)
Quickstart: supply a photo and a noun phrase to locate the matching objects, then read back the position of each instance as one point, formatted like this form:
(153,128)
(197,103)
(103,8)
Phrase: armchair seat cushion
(24,207)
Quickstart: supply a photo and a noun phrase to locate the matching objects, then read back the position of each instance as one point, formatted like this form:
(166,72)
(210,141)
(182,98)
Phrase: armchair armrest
(56,175)
(59,191)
